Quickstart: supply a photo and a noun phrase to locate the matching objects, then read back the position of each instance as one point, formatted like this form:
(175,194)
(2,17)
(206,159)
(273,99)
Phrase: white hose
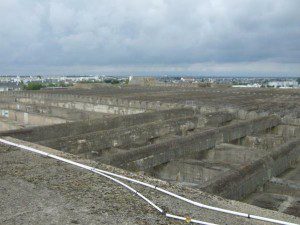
(109,174)
(200,204)
(94,170)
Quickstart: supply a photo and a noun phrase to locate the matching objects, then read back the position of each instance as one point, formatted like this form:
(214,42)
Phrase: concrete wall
(65,113)
(238,113)
(287,131)
(238,184)
(232,154)
(8,125)
(290,120)
(76,128)
(188,171)
(29,119)
(266,142)
(147,157)
(122,137)
(121,106)
(86,106)
(113,102)
(133,136)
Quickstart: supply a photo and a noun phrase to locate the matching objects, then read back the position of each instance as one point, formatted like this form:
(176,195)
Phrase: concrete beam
(264,141)
(79,105)
(233,154)
(121,137)
(238,184)
(68,114)
(81,127)
(150,156)
(188,171)
(283,186)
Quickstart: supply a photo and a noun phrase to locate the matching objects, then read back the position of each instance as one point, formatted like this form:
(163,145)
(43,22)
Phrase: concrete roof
(38,190)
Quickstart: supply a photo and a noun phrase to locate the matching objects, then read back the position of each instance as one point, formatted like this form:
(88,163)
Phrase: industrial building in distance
(229,147)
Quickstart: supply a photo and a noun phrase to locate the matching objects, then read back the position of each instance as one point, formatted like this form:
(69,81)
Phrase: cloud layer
(40,35)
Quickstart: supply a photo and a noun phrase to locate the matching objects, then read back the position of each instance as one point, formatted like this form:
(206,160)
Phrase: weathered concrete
(209,165)
(146,157)
(39,190)
(240,183)
(95,103)
(215,119)
(134,136)
(123,137)
(280,193)
(233,154)
(9,125)
(264,141)
(287,131)
(68,114)
(281,203)
(188,171)
(282,186)
(290,120)
(185,151)
(75,128)
(79,105)
(26,118)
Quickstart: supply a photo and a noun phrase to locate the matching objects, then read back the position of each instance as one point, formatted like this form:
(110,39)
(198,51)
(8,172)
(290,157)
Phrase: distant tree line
(106,81)
(39,85)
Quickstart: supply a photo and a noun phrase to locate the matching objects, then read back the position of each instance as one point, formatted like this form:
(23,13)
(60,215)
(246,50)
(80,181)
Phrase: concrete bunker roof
(57,193)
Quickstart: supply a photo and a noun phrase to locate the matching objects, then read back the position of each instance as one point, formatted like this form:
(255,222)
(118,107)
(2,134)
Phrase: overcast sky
(150,36)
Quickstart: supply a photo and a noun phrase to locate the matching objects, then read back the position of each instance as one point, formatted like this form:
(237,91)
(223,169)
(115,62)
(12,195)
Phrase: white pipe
(94,170)
(151,186)
(131,189)
(200,204)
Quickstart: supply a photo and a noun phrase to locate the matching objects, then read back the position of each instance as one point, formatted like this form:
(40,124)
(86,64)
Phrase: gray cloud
(63,35)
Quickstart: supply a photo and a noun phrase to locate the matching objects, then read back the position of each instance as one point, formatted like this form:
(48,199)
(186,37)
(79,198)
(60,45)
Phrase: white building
(9,86)
(283,84)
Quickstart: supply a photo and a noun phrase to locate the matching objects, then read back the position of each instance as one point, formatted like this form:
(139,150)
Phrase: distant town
(60,82)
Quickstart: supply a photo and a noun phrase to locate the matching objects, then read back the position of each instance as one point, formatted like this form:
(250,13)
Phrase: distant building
(248,85)
(283,84)
(9,86)
(187,79)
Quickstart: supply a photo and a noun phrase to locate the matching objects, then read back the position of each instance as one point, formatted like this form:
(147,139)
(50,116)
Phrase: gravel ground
(39,190)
